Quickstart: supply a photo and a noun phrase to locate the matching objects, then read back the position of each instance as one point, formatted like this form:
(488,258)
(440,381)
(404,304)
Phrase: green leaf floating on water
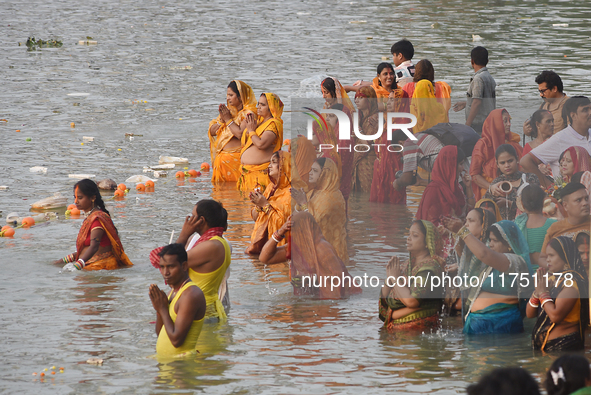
(88,38)
(33,44)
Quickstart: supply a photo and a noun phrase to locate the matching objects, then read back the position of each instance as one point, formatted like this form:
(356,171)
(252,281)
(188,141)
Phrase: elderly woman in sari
(426,108)
(311,259)
(444,196)
(493,305)
(325,202)
(499,190)
(424,71)
(415,305)
(563,308)
(225,131)
(388,163)
(259,141)
(98,245)
(334,93)
(273,207)
(368,123)
(495,132)
(477,222)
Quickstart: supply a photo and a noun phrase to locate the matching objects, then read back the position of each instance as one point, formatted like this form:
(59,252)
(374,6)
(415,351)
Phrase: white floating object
(476,37)
(87,138)
(87,42)
(147,170)
(12,218)
(173,159)
(160,173)
(560,24)
(38,169)
(78,94)
(166,166)
(357,22)
(55,201)
(139,178)
(3,188)
(81,176)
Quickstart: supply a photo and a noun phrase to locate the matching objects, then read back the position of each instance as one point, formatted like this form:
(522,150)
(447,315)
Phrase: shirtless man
(179,316)
(262,139)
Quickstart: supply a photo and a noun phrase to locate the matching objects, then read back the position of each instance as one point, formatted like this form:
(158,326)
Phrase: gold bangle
(463,232)
(258,209)
(267,208)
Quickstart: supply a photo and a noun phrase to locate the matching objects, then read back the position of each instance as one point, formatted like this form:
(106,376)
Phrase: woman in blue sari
(493,301)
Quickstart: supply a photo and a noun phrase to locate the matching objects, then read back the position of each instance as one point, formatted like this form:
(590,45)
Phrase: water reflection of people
(98,245)
(562,309)
(414,305)
(180,315)
(313,259)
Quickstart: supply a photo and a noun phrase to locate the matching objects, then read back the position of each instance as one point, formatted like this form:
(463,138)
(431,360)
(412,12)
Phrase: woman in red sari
(388,163)
(444,196)
(495,132)
(98,245)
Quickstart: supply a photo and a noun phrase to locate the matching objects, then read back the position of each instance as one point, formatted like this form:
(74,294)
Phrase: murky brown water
(160,70)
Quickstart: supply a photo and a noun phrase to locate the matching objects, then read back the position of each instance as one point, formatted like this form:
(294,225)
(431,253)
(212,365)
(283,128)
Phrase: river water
(160,70)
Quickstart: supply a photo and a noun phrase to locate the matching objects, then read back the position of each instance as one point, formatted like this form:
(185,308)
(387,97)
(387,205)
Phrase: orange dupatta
(276,108)
(224,135)
(279,197)
(327,205)
(483,161)
(118,259)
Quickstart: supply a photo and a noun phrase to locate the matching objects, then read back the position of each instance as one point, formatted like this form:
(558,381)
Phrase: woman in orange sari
(495,132)
(388,163)
(424,71)
(426,108)
(98,245)
(334,93)
(225,131)
(325,202)
(259,142)
(303,155)
(273,207)
(384,84)
(311,259)
(368,124)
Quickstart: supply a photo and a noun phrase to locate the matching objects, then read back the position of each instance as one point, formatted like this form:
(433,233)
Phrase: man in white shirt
(577,111)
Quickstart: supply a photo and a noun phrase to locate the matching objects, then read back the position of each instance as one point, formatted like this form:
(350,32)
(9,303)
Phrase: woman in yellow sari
(426,108)
(225,131)
(98,245)
(259,142)
(326,203)
(272,208)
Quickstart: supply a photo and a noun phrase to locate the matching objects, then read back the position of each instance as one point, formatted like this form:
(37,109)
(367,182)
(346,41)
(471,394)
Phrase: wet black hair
(535,118)
(551,79)
(424,71)
(570,188)
(232,85)
(479,55)
(572,105)
(575,368)
(577,176)
(90,189)
(175,249)
(532,198)
(321,162)
(214,213)
(508,148)
(556,246)
(506,381)
(582,238)
(403,47)
(329,85)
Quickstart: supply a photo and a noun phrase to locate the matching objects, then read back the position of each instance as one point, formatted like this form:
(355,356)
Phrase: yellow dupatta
(327,206)
(224,135)
(426,108)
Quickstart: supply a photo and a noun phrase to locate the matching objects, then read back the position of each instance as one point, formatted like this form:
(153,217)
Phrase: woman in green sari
(407,303)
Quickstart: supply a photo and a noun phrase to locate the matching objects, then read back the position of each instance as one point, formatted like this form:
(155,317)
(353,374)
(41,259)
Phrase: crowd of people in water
(514,218)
